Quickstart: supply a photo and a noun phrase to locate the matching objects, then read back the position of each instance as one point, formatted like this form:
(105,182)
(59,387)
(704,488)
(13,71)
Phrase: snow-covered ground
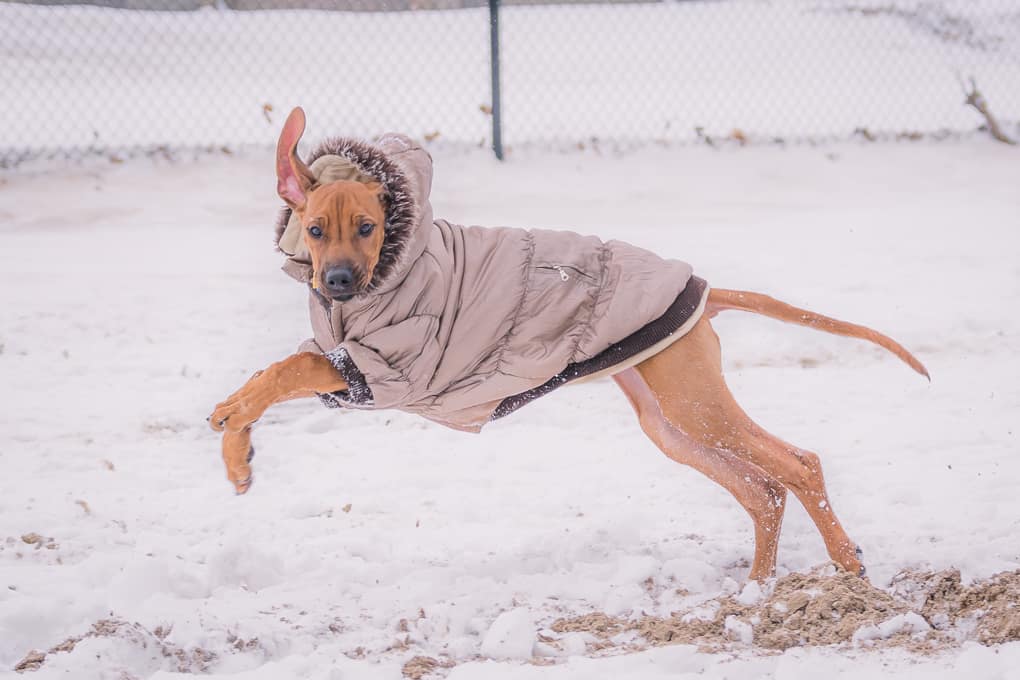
(133,297)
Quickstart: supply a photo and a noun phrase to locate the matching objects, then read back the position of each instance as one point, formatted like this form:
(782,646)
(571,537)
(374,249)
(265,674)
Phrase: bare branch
(978,101)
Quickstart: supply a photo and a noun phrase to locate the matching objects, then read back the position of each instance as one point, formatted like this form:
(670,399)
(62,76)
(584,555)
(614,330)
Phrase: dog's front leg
(297,376)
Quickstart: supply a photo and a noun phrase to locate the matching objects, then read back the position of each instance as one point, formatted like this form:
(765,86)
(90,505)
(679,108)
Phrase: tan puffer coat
(465,324)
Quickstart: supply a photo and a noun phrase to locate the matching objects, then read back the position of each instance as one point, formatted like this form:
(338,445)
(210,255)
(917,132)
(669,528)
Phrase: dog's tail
(721,299)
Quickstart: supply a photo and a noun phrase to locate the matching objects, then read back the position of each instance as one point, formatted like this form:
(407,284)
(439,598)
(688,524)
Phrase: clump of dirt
(33,661)
(418,667)
(998,600)
(184,660)
(802,610)
(811,609)
(823,608)
(708,634)
(598,624)
(39,541)
(992,605)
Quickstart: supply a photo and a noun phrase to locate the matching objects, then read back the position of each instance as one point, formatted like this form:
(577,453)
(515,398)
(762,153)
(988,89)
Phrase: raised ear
(293,178)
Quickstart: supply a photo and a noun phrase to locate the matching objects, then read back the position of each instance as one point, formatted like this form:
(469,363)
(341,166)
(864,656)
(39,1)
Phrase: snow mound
(511,636)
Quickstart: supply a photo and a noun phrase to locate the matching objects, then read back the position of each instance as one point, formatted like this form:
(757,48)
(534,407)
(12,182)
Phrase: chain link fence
(119,76)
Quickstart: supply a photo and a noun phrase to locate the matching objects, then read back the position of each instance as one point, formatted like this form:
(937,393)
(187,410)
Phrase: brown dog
(679,394)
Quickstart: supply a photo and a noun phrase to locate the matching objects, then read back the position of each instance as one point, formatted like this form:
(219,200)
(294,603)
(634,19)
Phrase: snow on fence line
(79,78)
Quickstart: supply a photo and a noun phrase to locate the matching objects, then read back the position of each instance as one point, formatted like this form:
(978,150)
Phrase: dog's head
(343,222)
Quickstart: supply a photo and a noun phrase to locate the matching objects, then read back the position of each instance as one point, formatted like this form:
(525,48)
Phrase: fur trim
(358,393)
(401,210)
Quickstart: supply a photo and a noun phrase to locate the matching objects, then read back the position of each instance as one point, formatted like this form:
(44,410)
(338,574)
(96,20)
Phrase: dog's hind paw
(863,571)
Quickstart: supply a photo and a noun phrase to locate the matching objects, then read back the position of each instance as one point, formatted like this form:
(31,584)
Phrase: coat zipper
(562,269)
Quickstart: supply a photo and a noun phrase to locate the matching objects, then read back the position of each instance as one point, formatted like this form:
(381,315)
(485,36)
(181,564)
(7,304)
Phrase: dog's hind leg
(762,497)
(686,384)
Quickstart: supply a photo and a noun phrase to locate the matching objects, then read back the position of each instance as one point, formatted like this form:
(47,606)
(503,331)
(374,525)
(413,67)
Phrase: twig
(978,101)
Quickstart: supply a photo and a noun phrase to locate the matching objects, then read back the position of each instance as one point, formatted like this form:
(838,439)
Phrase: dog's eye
(366,228)
(315,232)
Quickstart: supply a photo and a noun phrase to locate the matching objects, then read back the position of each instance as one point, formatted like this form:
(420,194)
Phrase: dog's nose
(339,279)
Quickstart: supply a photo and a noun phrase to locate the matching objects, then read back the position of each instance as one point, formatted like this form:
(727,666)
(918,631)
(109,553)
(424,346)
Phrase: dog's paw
(241,487)
(234,414)
(859,554)
(237,456)
(238,411)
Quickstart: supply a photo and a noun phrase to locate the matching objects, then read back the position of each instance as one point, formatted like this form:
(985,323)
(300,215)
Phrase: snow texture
(910,622)
(739,630)
(134,297)
(511,636)
(751,593)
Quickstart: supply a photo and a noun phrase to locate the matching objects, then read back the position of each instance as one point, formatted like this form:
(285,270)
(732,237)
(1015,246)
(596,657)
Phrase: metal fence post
(497,114)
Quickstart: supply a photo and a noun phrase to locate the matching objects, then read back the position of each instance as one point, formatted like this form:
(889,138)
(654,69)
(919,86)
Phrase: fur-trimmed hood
(405,171)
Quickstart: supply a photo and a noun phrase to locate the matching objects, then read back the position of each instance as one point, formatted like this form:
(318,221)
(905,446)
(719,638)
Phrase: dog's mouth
(342,293)
(346,295)
(359,288)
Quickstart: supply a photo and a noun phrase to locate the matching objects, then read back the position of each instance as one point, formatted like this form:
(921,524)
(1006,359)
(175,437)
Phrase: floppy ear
(293,178)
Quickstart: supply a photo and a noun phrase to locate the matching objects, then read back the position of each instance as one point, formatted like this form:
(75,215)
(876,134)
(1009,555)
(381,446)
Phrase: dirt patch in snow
(180,659)
(922,611)
(33,661)
(38,541)
(802,610)
(988,609)
(596,623)
(418,667)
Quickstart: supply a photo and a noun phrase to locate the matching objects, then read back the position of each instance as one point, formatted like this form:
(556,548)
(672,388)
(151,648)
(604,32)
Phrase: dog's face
(343,222)
(343,226)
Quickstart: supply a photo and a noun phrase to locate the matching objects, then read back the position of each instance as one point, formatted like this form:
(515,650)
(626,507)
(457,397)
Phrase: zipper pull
(563,273)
